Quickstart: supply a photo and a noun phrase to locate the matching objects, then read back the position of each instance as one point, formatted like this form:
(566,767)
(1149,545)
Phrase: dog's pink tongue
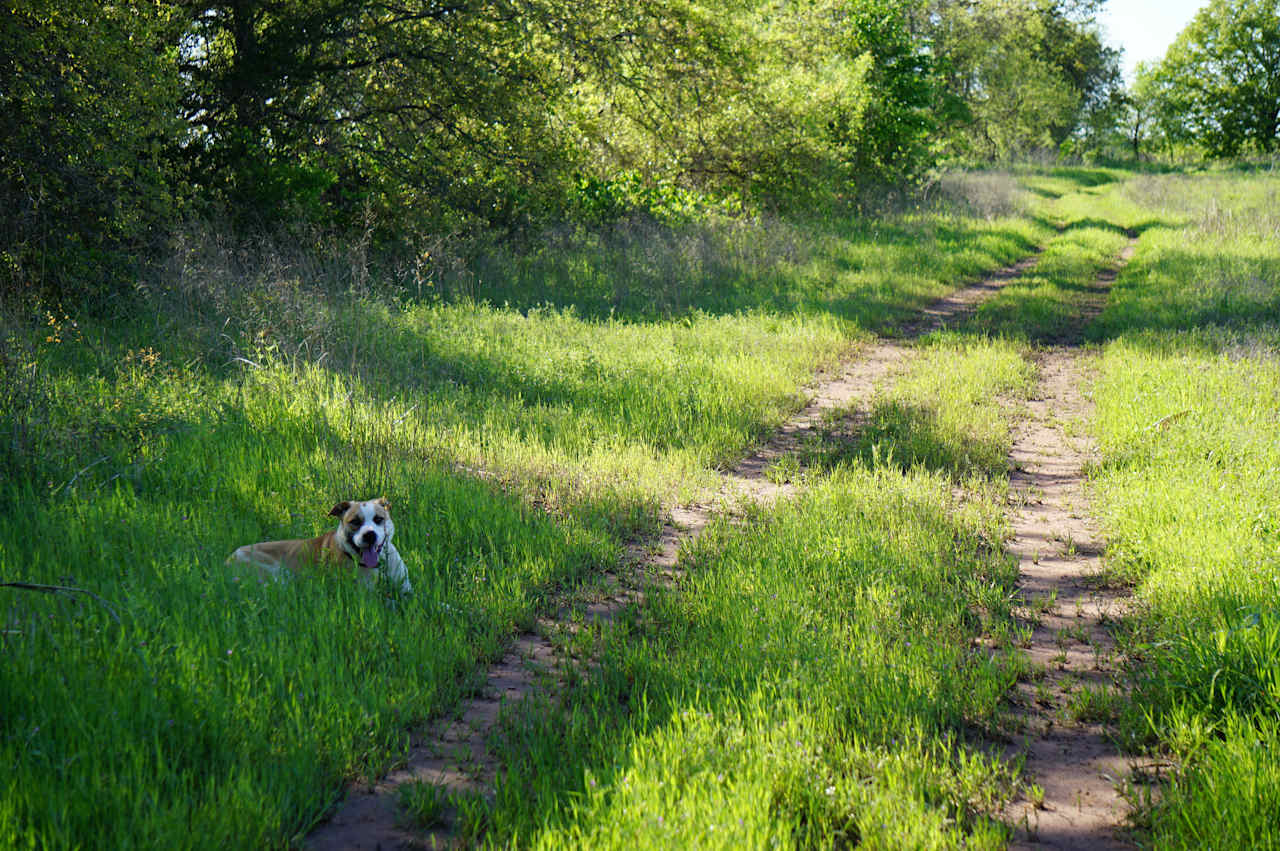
(369,557)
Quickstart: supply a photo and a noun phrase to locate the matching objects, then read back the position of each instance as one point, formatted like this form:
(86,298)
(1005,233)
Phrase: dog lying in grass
(362,542)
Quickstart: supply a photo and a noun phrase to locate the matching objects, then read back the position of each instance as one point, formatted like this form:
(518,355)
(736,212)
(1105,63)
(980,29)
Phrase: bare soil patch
(1061,710)
(454,754)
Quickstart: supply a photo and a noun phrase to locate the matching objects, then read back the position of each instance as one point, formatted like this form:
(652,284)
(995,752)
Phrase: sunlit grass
(1045,304)
(813,680)
(1189,491)
(938,413)
(806,685)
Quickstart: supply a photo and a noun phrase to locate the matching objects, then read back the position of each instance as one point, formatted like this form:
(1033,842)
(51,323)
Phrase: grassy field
(251,389)
(1188,396)
(1045,305)
(816,679)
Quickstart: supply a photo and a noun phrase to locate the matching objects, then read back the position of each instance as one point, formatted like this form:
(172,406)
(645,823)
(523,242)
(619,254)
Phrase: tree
(1028,73)
(1218,86)
(89,117)
(1015,97)
(778,102)
(492,111)
(453,115)
(1141,107)
(431,107)
(1073,44)
(904,87)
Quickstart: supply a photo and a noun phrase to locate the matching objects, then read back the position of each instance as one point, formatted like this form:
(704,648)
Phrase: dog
(361,542)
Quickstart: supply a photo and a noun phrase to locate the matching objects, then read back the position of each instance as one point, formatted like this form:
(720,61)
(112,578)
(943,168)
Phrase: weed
(1035,794)
(473,815)
(1042,605)
(424,804)
(784,470)
(1095,705)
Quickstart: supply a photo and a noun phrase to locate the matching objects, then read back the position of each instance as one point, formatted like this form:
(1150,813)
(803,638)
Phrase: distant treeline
(410,117)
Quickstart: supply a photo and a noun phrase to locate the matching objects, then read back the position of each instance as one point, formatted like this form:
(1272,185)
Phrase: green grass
(425,804)
(873,271)
(808,685)
(1189,492)
(937,414)
(1044,306)
(241,399)
(814,681)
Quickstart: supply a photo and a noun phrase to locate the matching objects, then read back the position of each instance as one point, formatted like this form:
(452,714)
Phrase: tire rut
(1069,756)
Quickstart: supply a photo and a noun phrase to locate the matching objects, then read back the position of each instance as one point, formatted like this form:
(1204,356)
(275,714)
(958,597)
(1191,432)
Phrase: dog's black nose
(368,538)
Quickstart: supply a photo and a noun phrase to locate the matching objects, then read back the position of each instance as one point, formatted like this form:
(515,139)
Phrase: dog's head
(364,530)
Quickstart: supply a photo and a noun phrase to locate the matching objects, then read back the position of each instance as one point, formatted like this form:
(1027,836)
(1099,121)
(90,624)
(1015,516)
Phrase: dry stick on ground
(455,755)
(1068,755)
(62,589)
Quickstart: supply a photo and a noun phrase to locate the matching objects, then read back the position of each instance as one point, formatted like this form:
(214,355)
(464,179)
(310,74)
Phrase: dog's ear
(383,502)
(339,509)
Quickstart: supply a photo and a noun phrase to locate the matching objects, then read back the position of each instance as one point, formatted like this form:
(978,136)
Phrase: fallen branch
(62,589)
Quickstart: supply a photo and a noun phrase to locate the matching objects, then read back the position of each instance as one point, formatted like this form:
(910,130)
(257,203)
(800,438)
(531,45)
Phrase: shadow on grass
(1083,176)
(902,437)
(1047,314)
(1090,223)
(1169,298)
(1132,231)
(647,276)
(1043,192)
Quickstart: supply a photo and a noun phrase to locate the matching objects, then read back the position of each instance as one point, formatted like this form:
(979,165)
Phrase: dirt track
(1067,752)
(455,754)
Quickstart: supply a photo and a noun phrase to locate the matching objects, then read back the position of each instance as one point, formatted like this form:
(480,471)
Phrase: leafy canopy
(429,117)
(1218,87)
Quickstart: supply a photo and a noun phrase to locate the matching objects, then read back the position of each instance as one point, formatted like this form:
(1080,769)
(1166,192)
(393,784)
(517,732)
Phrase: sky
(1145,28)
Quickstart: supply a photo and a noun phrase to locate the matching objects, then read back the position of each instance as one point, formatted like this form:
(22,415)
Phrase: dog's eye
(378,520)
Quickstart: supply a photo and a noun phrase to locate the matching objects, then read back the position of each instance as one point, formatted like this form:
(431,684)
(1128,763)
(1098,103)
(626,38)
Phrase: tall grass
(815,680)
(938,414)
(873,270)
(1189,490)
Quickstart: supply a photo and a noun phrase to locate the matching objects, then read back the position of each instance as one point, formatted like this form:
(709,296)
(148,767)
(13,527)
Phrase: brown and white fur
(362,542)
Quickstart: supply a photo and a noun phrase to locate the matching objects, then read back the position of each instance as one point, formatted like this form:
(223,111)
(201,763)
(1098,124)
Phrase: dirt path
(454,755)
(1068,755)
